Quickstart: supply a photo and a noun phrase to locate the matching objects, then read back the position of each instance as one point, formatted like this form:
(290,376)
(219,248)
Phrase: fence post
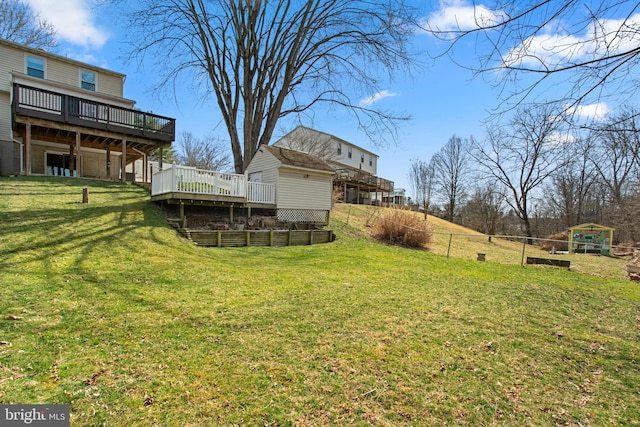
(449,247)
(524,246)
(391,232)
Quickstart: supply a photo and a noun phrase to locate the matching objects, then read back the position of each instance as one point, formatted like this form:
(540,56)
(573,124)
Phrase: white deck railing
(184,179)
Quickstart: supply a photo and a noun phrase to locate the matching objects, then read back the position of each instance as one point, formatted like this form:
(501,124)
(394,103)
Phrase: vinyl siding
(5,117)
(295,191)
(354,162)
(57,69)
(12,60)
(266,163)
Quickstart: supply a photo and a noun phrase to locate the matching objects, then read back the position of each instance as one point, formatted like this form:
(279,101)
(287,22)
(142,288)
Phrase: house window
(370,160)
(35,66)
(349,153)
(88,80)
(361,158)
(339,148)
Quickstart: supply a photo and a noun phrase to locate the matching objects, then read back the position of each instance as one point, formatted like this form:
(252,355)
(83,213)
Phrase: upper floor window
(361,158)
(35,66)
(88,80)
(370,160)
(349,153)
(339,148)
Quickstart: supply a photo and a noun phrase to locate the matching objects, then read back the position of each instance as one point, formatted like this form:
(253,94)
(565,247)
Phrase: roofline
(42,52)
(334,137)
(592,225)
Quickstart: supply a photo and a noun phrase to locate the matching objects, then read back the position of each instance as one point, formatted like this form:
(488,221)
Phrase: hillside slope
(460,242)
(104,307)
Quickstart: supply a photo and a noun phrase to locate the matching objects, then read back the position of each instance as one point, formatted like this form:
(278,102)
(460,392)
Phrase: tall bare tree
(451,166)
(594,46)
(421,178)
(571,190)
(484,210)
(521,156)
(615,161)
(20,24)
(264,60)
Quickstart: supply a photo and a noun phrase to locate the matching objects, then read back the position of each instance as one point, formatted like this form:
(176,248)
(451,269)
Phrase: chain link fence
(454,241)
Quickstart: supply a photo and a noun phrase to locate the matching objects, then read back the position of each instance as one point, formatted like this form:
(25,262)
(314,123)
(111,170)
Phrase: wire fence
(597,259)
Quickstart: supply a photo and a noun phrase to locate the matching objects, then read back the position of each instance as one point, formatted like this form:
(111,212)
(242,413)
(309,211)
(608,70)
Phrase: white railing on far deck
(185,179)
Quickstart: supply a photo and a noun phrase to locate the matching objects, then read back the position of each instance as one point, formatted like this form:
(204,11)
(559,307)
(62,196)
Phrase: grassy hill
(105,308)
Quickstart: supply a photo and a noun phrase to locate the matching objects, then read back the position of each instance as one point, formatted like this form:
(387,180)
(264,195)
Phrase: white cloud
(560,139)
(553,50)
(596,111)
(459,15)
(73,21)
(376,97)
(549,48)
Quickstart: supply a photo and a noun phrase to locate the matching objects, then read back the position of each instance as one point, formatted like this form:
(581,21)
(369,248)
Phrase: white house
(355,168)
(303,183)
(59,116)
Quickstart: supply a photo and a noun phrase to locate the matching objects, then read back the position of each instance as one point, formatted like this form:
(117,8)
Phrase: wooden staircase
(177,224)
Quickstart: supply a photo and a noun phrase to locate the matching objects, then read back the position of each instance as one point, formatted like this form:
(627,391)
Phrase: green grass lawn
(105,308)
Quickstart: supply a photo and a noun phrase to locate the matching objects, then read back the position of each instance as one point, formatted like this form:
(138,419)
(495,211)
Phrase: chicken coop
(590,238)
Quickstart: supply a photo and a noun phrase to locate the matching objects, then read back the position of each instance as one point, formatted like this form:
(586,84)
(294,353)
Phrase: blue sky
(442,98)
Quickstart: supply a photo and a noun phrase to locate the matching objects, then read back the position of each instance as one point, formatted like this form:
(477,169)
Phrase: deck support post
(77,156)
(108,163)
(27,150)
(124,161)
(231,215)
(183,219)
(71,160)
(145,165)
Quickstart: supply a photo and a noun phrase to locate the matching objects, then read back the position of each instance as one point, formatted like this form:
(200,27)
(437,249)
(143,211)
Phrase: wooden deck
(190,186)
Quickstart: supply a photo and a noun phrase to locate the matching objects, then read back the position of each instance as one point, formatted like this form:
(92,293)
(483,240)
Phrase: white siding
(266,163)
(355,161)
(303,190)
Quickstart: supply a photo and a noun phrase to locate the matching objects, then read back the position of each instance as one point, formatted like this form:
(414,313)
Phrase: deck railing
(364,178)
(34,102)
(184,179)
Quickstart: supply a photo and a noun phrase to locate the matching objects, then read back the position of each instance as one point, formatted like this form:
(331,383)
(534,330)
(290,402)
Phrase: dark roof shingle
(298,158)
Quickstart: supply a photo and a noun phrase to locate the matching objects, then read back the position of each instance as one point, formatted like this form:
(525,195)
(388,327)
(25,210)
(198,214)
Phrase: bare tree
(264,60)
(521,156)
(206,154)
(570,192)
(484,210)
(451,166)
(615,162)
(19,24)
(421,178)
(595,46)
